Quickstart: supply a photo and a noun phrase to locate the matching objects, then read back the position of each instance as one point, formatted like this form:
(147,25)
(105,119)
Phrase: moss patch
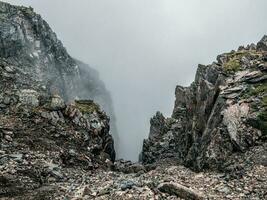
(232,65)
(255,90)
(260,91)
(262,122)
(234,62)
(87,106)
(38,109)
(252,54)
(264,102)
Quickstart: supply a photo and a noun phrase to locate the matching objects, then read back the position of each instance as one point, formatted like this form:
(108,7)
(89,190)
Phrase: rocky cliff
(92,87)
(221,114)
(48,125)
(55,141)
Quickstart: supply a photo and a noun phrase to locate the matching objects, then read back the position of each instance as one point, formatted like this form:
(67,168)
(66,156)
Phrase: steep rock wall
(222,112)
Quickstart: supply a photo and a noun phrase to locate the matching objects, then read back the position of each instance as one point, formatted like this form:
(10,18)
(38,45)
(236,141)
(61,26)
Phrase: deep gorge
(65,134)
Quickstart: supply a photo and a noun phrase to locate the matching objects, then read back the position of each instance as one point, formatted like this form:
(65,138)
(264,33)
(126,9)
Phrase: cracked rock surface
(223,112)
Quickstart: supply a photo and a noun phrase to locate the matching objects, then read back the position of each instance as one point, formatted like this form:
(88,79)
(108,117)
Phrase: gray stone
(10,69)
(16,157)
(127,185)
(180,191)
(57,103)
(28,97)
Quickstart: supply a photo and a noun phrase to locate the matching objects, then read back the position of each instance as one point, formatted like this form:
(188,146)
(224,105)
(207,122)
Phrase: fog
(144,48)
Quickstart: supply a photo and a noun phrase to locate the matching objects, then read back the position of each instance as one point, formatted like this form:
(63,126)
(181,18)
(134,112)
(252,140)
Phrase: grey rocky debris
(245,178)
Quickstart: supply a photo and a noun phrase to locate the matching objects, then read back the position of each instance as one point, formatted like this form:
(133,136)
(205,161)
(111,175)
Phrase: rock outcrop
(46,128)
(92,87)
(223,112)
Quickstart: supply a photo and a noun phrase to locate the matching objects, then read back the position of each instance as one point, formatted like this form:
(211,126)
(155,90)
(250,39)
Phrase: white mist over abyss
(144,48)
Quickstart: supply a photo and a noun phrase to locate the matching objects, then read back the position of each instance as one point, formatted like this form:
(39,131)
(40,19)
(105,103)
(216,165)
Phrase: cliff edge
(221,114)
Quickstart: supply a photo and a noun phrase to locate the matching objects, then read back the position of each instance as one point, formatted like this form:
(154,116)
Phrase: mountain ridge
(55,140)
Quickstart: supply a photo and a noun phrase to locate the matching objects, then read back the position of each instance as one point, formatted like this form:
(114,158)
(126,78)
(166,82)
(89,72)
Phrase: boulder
(180,191)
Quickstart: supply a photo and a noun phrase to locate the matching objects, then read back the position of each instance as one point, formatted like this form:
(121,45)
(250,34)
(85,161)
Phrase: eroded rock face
(161,142)
(45,127)
(91,87)
(223,112)
(28,42)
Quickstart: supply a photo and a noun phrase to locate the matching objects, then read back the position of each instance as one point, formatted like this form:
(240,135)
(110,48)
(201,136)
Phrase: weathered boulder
(180,191)
(128,167)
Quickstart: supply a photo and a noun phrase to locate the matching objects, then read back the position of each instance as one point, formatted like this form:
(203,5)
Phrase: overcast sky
(144,48)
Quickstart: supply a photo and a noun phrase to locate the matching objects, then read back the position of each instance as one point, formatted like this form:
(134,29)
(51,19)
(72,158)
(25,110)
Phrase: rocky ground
(244,179)
(248,184)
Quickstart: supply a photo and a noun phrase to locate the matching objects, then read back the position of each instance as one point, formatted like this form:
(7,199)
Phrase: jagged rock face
(222,112)
(91,87)
(29,47)
(43,129)
(161,142)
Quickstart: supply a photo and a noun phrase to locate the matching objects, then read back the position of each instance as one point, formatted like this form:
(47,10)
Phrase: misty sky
(144,48)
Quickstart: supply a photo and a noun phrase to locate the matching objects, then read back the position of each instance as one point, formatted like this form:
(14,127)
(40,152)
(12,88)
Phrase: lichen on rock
(87,106)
